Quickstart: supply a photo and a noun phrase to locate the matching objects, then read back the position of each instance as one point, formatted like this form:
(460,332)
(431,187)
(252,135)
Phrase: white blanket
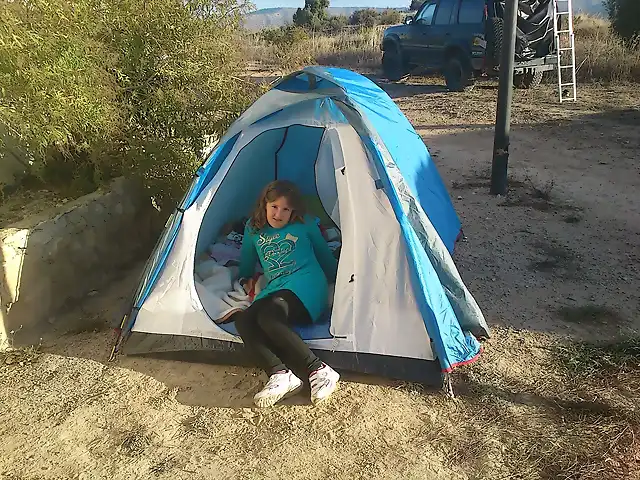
(221,296)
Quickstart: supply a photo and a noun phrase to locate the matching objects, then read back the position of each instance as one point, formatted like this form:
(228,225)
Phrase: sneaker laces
(274,380)
(318,379)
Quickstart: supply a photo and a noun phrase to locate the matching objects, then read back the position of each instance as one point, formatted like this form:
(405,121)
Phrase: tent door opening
(306,156)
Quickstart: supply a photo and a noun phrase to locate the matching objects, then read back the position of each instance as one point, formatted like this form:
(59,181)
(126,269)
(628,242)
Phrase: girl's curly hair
(272,192)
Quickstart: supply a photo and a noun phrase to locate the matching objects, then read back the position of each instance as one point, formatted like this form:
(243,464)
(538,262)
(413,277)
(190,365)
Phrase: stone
(72,251)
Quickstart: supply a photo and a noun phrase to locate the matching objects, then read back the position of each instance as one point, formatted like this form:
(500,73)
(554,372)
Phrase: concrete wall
(61,256)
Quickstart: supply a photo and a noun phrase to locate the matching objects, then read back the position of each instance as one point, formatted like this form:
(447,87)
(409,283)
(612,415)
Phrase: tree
(625,17)
(366,17)
(391,17)
(313,16)
(336,23)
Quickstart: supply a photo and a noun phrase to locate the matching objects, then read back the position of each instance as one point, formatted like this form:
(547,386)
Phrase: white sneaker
(279,386)
(323,382)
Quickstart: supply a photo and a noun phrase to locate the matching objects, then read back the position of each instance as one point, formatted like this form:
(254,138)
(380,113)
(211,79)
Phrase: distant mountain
(277,17)
(268,17)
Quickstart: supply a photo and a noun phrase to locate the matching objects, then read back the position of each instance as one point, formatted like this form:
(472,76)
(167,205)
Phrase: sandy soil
(555,262)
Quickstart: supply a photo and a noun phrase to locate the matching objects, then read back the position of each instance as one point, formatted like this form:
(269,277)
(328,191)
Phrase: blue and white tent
(400,308)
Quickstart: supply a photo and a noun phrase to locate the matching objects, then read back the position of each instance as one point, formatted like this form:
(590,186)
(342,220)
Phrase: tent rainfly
(399,307)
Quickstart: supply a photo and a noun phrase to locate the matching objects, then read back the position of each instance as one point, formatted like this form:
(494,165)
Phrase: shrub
(98,88)
(369,17)
(285,37)
(391,17)
(335,24)
(601,55)
(288,45)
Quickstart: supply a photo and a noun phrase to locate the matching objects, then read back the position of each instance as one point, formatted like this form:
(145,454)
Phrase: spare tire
(494,32)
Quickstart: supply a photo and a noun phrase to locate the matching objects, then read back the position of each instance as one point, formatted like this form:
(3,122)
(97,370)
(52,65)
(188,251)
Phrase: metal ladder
(565,42)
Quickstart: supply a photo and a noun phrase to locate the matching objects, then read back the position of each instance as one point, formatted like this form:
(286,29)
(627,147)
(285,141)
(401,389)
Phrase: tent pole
(500,161)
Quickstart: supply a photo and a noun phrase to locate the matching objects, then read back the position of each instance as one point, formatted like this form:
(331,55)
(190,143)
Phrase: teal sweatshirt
(295,257)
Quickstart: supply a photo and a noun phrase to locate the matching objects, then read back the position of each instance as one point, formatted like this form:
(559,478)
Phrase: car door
(441,31)
(417,42)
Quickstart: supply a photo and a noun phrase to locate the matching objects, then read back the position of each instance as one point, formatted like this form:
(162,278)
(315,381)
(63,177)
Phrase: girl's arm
(248,254)
(323,253)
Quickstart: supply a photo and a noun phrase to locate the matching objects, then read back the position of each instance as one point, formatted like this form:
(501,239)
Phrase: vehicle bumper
(545,63)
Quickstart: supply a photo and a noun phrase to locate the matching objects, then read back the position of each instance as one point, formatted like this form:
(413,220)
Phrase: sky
(334,3)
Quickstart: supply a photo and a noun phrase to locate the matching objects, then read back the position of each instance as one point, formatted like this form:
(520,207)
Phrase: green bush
(335,24)
(391,17)
(289,45)
(368,17)
(285,37)
(98,88)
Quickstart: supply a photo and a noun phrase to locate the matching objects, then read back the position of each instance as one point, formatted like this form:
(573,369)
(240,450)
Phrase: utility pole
(505,93)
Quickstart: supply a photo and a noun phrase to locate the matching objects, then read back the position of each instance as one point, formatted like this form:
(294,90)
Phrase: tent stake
(448,385)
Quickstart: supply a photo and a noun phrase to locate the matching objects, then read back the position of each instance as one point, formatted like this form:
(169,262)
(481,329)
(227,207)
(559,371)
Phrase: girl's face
(278,212)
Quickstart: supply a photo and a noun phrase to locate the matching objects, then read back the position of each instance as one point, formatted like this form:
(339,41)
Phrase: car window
(426,14)
(443,15)
(471,11)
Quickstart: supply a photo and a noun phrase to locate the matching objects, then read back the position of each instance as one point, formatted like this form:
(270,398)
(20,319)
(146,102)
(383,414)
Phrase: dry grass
(10,354)
(357,48)
(603,362)
(354,48)
(600,55)
(576,420)
(133,443)
(20,356)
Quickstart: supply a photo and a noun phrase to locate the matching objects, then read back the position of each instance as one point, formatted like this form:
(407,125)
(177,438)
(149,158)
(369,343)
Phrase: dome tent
(400,308)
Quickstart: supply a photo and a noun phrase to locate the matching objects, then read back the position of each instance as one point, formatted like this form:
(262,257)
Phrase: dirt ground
(553,264)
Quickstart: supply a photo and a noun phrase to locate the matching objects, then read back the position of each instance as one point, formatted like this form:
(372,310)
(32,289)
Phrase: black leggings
(266,326)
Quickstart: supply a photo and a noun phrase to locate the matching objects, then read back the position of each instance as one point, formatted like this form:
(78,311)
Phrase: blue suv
(463,40)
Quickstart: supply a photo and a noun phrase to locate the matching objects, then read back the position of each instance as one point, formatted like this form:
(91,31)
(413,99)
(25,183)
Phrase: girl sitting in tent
(296,262)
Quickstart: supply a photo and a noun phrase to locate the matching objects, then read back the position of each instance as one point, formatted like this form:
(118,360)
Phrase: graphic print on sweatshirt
(276,252)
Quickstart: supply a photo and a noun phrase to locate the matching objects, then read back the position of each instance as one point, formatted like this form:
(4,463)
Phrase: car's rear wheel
(529,79)
(393,65)
(458,74)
